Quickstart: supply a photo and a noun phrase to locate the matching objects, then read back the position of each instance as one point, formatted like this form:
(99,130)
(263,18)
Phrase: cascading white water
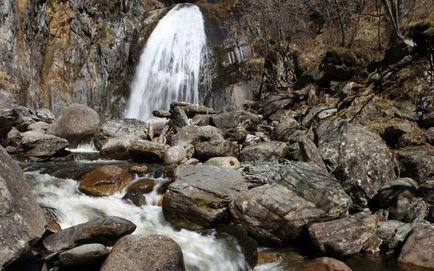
(170,63)
(201,252)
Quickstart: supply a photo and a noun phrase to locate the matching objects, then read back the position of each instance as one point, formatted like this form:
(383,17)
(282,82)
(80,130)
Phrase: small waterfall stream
(170,63)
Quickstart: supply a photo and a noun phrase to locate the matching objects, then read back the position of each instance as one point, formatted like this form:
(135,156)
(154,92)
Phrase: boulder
(144,151)
(325,264)
(264,151)
(416,162)
(140,252)
(177,154)
(343,237)
(215,148)
(294,195)
(358,158)
(120,128)
(105,181)
(418,250)
(117,147)
(75,123)
(429,134)
(85,256)
(45,115)
(40,145)
(401,187)
(135,192)
(105,231)
(302,148)
(22,220)
(226,162)
(200,195)
(192,133)
(232,119)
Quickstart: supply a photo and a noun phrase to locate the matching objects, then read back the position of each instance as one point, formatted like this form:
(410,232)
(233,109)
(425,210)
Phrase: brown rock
(418,250)
(142,186)
(325,264)
(105,181)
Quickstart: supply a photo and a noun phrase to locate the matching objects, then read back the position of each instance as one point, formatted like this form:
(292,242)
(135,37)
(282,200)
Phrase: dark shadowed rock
(150,253)
(359,159)
(75,123)
(417,162)
(344,236)
(117,147)
(120,128)
(295,194)
(302,148)
(84,256)
(105,231)
(105,181)
(215,148)
(38,144)
(325,264)
(264,151)
(418,250)
(200,195)
(426,191)
(144,151)
(22,220)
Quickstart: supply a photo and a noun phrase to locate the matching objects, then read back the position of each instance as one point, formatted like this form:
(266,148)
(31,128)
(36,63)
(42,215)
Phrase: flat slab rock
(139,252)
(105,231)
(200,195)
(418,250)
(22,221)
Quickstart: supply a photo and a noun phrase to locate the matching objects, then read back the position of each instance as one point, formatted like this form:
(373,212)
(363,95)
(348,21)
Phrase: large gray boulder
(75,123)
(294,195)
(105,230)
(22,220)
(140,252)
(200,195)
(358,158)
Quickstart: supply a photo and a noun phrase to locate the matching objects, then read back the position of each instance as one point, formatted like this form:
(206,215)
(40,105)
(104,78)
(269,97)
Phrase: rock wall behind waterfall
(57,52)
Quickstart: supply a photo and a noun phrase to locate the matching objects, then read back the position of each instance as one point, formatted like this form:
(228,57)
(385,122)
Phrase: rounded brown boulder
(140,252)
(325,264)
(105,181)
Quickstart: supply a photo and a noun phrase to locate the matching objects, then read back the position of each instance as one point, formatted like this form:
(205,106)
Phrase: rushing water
(170,63)
(71,207)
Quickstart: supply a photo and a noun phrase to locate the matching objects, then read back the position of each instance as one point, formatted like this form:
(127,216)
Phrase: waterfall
(170,63)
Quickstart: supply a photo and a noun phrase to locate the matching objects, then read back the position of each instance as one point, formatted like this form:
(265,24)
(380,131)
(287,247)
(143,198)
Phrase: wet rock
(426,191)
(284,129)
(232,119)
(22,220)
(105,231)
(75,123)
(295,194)
(343,237)
(417,162)
(139,252)
(264,151)
(45,115)
(40,145)
(85,256)
(105,181)
(120,128)
(117,147)
(135,192)
(215,148)
(192,133)
(200,195)
(144,151)
(226,162)
(325,264)
(359,159)
(418,250)
(429,134)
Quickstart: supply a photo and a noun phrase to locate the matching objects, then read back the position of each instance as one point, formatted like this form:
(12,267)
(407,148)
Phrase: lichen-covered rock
(418,250)
(22,220)
(264,151)
(105,231)
(359,159)
(344,236)
(75,123)
(105,181)
(215,148)
(139,252)
(200,195)
(295,195)
(302,148)
(417,162)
